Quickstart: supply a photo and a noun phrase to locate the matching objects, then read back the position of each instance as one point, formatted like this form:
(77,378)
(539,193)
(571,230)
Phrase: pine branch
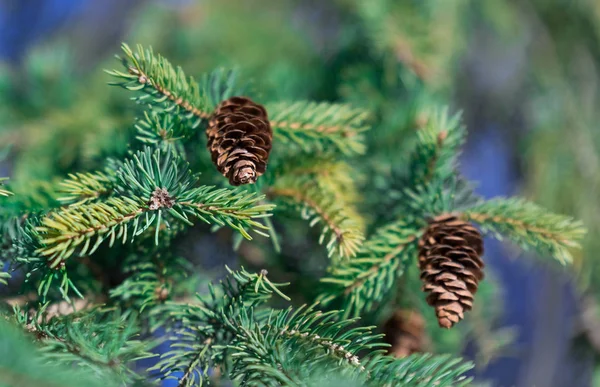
(528,225)
(151,279)
(318,201)
(437,197)
(162,85)
(362,282)
(101,341)
(290,343)
(167,88)
(306,346)
(149,185)
(202,326)
(23,364)
(64,231)
(162,130)
(23,255)
(418,370)
(438,147)
(331,175)
(82,188)
(4,276)
(319,127)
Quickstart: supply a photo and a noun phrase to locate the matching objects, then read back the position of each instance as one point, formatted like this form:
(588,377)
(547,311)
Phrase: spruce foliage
(108,237)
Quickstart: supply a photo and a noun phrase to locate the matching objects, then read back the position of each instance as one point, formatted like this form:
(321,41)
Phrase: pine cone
(405,332)
(451,267)
(239,139)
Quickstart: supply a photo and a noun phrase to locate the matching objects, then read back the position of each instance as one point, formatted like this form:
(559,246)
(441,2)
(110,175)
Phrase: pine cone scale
(451,267)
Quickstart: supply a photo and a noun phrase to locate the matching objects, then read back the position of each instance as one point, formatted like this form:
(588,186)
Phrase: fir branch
(165,178)
(528,225)
(149,185)
(4,276)
(149,282)
(98,342)
(82,188)
(64,231)
(438,147)
(417,370)
(169,90)
(306,346)
(202,325)
(148,170)
(23,364)
(331,175)
(98,339)
(341,226)
(236,209)
(23,253)
(437,197)
(162,130)
(362,282)
(320,127)
(164,86)
(4,192)
(290,343)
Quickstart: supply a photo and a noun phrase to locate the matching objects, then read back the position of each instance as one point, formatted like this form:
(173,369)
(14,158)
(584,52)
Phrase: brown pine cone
(451,266)
(239,139)
(405,332)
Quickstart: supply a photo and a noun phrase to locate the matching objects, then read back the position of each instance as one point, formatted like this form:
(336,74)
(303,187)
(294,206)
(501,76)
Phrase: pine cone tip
(243,175)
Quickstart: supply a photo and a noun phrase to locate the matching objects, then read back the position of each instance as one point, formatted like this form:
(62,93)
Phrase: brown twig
(144,79)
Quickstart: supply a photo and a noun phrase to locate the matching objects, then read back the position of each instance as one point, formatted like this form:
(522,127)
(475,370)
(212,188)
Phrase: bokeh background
(526,74)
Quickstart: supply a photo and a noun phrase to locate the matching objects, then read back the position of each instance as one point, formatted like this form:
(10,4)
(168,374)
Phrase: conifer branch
(101,341)
(63,231)
(162,130)
(82,188)
(342,227)
(528,225)
(418,370)
(163,85)
(170,90)
(437,197)
(23,364)
(438,147)
(203,331)
(321,127)
(289,344)
(360,283)
(149,185)
(150,282)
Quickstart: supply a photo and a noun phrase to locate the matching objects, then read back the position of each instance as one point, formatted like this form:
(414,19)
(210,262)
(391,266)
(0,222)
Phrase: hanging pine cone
(239,139)
(405,332)
(451,266)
